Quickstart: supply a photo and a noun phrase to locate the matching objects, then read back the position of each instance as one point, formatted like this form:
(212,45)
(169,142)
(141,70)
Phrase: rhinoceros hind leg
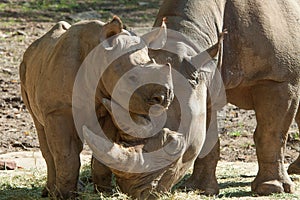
(204,173)
(275,106)
(50,185)
(65,146)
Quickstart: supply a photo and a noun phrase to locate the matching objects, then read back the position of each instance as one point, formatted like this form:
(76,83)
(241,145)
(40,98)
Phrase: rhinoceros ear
(111,28)
(156,38)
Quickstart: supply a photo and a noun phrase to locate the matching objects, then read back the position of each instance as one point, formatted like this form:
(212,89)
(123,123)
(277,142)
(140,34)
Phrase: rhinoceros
(68,83)
(259,62)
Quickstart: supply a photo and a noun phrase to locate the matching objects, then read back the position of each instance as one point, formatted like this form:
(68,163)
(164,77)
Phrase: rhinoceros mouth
(131,123)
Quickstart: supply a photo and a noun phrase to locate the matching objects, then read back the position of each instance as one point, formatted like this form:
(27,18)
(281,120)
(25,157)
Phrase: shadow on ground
(21,193)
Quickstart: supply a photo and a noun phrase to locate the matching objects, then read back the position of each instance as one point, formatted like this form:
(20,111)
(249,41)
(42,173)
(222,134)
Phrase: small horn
(131,160)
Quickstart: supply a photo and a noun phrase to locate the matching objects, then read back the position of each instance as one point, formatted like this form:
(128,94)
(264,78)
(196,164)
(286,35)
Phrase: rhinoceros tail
(22,73)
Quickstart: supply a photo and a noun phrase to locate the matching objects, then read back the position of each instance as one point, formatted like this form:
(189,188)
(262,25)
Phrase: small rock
(9,116)
(296,179)
(143,3)
(40,26)
(19,144)
(2,35)
(7,71)
(15,110)
(18,116)
(20,32)
(16,99)
(7,165)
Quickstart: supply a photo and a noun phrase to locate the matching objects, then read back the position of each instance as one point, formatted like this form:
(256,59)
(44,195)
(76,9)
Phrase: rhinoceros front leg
(203,177)
(65,147)
(275,105)
(101,174)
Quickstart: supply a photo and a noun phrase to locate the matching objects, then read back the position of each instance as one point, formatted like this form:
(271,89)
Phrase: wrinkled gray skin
(47,74)
(260,70)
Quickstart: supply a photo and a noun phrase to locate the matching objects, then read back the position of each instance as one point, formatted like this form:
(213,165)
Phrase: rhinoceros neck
(201,21)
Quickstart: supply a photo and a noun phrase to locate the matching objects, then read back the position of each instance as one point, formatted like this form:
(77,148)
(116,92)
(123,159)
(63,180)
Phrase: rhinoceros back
(50,64)
(263,41)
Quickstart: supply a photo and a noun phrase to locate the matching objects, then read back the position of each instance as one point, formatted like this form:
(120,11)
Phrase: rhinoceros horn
(131,159)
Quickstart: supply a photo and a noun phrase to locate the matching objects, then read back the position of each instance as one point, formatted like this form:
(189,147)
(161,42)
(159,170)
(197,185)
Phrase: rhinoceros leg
(44,149)
(50,186)
(101,176)
(65,147)
(275,105)
(294,168)
(204,172)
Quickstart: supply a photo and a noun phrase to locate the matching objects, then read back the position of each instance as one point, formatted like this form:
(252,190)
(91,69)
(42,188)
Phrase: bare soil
(19,27)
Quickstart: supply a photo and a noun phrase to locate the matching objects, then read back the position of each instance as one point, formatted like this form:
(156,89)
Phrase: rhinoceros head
(131,73)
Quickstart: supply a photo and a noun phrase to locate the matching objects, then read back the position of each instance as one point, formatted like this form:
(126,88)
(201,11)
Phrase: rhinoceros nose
(162,98)
(157,99)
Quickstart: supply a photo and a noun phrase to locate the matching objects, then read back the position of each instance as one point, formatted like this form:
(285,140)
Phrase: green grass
(234,181)
(295,135)
(234,134)
(247,145)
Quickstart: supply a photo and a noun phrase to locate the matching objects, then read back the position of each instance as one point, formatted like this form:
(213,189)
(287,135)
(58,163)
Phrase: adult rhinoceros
(260,66)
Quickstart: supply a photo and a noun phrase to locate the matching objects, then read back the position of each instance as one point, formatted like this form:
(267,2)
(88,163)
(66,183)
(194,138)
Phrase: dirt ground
(19,27)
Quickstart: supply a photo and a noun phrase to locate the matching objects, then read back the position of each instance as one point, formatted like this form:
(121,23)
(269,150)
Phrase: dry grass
(234,180)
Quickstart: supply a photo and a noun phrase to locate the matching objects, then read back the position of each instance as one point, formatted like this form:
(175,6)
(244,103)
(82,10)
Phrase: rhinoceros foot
(272,186)
(204,173)
(294,168)
(205,186)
